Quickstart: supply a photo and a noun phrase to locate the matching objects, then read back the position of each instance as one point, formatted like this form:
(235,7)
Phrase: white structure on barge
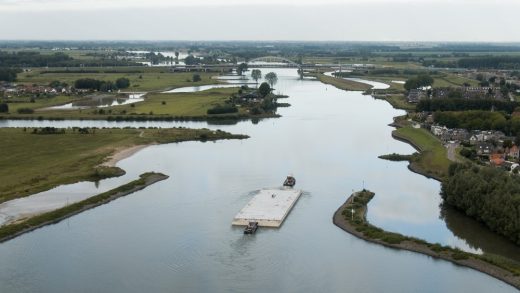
(269,207)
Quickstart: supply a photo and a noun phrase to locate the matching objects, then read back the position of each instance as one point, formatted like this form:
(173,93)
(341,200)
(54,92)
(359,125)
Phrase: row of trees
(479,120)
(102,85)
(8,74)
(35,59)
(458,104)
(486,194)
(498,62)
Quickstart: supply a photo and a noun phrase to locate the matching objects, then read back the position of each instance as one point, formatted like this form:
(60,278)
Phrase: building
(414,96)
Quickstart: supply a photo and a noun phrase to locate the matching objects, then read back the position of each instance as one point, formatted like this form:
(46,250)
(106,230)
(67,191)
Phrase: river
(176,235)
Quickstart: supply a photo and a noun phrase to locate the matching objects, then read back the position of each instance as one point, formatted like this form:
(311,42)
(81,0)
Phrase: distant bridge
(267,62)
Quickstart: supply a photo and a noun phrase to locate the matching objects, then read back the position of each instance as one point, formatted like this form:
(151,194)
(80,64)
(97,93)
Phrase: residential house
(415,95)
(497,159)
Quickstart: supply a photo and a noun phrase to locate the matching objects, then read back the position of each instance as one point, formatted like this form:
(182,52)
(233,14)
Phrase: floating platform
(269,207)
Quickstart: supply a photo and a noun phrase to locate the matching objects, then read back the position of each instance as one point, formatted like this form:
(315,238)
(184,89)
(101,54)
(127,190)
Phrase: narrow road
(452,151)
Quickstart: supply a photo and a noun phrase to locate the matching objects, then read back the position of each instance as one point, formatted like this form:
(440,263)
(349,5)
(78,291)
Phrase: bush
(123,83)
(264,89)
(196,77)
(4,108)
(218,109)
(25,111)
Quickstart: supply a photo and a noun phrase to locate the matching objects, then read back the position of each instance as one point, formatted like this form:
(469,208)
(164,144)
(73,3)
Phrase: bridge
(272,61)
(267,62)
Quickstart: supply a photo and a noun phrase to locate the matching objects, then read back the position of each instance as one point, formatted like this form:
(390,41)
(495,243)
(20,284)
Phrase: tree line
(102,85)
(8,74)
(35,59)
(459,104)
(486,194)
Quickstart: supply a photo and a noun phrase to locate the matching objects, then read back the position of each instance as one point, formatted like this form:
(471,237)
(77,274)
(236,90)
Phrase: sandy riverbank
(426,248)
(123,153)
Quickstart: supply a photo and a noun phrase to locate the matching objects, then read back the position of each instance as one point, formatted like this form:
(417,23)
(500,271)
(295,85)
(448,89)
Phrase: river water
(176,235)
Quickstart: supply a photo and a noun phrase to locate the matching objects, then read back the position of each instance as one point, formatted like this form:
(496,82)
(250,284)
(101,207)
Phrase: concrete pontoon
(269,207)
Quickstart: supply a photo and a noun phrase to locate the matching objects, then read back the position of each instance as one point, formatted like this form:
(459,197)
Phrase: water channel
(176,235)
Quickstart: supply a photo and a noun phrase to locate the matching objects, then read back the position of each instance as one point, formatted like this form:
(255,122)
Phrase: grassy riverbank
(356,224)
(141,78)
(155,107)
(13,230)
(36,162)
(343,84)
(398,101)
(432,160)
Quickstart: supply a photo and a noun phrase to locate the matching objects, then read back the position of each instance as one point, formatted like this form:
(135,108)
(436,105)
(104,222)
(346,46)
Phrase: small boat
(251,228)
(290,181)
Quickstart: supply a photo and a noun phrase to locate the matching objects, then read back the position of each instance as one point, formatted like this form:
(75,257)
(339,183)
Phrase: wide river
(176,235)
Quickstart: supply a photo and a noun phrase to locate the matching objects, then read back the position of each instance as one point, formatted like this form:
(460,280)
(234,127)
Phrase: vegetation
(140,78)
(264,89)
(486,194)
(101,85)
(13,230)
(8,74)
(256,74)
(353,214)
(433,160)
(271,78)
(432,105)
(479,120)
(343,84)
(396,157)
(495,62)
(418,82)
(59,59)
(39,162)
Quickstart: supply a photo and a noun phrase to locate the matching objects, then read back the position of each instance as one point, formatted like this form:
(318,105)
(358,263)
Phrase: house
(484,148)
(514,152)
(497,159)
(414,96)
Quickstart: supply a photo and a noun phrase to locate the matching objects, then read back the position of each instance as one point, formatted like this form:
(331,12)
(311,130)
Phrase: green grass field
(433,158)
(36,162)
(194,105)
(180,104)
(343,84)
(447,80)
(40,103)
(147,79)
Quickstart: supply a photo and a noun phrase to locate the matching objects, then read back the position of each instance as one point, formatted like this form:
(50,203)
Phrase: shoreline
(123,153)
(14,230)
(422,247)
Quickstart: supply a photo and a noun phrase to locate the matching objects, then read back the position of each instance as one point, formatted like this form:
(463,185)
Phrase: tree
(241,68)
(177,55)
(264,89)
(122,83)
(196,77)
(271,78)
(4,108)
(256,74)
(418,81)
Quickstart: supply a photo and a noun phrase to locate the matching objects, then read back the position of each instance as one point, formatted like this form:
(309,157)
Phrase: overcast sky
(321,20)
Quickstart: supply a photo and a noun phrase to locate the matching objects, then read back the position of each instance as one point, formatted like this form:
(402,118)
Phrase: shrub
(25,111)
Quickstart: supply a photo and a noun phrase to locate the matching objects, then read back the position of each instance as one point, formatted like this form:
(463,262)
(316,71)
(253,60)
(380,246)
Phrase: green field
(433,158)
(179,104)
(147,79)
(447,80)
(40,103)
(343,84)
(36,162)
(156,105)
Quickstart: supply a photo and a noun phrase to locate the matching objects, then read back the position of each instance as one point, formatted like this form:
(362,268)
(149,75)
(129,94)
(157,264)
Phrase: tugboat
(251,228)
(290,181)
